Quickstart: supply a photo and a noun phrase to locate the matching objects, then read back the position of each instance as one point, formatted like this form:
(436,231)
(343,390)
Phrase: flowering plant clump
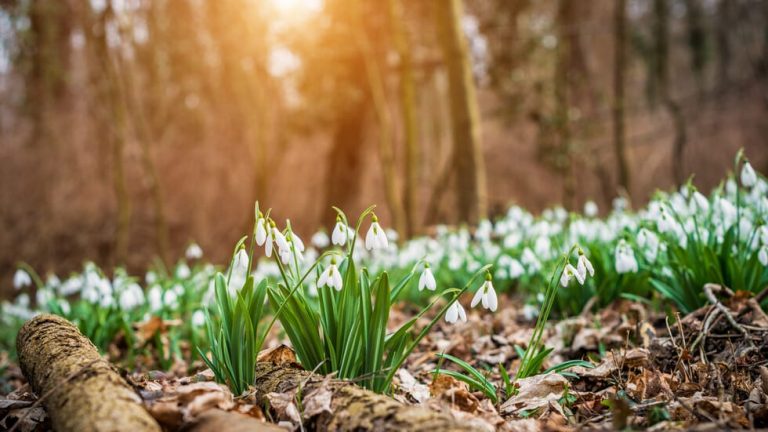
(236,336)
(340,326)
(106,309)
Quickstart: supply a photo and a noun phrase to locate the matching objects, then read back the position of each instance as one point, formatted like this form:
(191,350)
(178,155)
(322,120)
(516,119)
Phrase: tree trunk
(409,111)
(468,160)
(344,162)
(352,408)
(386,137)
(724,57)
(620,65)
(661,34)
(564,163)
(80,390)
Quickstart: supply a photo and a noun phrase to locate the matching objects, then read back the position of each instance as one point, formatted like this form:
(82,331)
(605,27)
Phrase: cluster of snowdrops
(333,296)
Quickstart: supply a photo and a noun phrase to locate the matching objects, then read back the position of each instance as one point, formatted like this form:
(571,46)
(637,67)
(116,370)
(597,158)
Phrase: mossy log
(352,408)
(216,420)
(80,390)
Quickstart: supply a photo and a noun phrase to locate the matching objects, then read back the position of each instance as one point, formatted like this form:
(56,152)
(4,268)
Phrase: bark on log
(81,391)
(216,420)
(353,408)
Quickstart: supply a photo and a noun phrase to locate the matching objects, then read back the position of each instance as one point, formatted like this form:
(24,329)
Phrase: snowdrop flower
(131,297)
(584,266)
(240,263)
(155,298)
(625,258)
(650,242)
(320,240)
(427,279)
(330,277)
(764,234)
(261,230)
(748,175)
(487,295)
(763,256)
(570,272)
(43,296)
(665,222)
(193,252)
(21,279)
(376,238)
(530,312)
(699,202)
(183,271)
(295,240)
(170,299)
(280,240)
(455,313)
(340,231)
(590,209)
(198,318)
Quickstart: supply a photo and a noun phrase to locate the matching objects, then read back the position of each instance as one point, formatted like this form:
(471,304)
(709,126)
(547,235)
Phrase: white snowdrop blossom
(155,298)
(21,279)
(455,313)
(590,209)
(330,277)
(320,240)
(427,279)
(748,175)
(240,263)
(762,256)
(487,295)
(183,271)
(198,318)
(376,238)
(131,297)
(665,222)
(625,259)
(340,233)
(649,242)
(584,266)
(570,272)
(193,252)
(280,240)
(261,230)
(239,272)
(699,203)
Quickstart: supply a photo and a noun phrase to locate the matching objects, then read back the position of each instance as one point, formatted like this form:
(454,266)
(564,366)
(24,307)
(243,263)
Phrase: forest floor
(703,371)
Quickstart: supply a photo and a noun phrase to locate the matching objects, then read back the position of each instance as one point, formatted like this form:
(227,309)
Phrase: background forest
(129,128)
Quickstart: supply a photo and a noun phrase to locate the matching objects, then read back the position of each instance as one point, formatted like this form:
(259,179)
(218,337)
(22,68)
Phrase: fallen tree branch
(351,407)
(80,390)
(709,292)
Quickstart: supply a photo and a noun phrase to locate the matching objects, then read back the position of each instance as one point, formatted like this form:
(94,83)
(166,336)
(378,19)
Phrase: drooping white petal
(763,255)
(575,272)
(493,301)
(462,312)
(339,235)
(261,232)
(748,175)
(370,238)
(452,315)
(21,279)
(323,279)
(477,298)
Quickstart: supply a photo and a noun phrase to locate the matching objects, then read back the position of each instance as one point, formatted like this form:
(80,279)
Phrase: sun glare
(290,7)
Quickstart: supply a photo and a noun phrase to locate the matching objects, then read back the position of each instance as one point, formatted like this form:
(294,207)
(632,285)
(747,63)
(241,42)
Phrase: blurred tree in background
(128,129)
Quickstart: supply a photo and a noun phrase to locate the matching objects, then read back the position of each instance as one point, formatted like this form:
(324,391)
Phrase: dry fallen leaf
(537,393)
(281,354)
